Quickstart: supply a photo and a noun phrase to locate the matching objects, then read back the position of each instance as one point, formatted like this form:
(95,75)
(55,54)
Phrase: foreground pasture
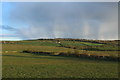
(19,65)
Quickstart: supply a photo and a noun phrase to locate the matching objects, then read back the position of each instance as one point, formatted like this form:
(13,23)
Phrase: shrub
(54,53)
(76,52)
(63,54)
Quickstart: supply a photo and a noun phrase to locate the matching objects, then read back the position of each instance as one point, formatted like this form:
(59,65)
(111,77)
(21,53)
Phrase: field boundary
(90,56)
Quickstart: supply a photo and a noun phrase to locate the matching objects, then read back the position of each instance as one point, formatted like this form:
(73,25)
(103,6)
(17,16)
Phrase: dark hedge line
(74,54)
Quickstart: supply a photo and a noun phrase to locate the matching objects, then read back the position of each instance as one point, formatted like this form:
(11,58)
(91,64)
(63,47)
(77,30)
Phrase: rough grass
(20,48)
(17,47)
(75,43)
(20,65)
(39,43)
(24,65)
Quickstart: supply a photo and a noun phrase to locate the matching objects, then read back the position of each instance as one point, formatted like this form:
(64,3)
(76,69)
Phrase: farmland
(23,59)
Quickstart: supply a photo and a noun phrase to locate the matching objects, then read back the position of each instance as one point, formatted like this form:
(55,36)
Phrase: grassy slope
(39,43)
(20,48)
(79,43)
(19,65)
(94,46)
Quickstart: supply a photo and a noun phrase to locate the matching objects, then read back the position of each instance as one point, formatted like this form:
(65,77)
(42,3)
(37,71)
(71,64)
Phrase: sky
(35,20)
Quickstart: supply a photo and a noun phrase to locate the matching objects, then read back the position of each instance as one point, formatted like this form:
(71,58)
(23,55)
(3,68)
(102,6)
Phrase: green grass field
(79,43)
(25,65)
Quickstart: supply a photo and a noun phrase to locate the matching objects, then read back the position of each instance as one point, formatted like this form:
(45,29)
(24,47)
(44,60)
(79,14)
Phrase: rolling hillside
(64,59)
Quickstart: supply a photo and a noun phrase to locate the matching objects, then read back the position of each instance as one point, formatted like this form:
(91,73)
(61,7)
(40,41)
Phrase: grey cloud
(74,20)
(9,28)
(18,32)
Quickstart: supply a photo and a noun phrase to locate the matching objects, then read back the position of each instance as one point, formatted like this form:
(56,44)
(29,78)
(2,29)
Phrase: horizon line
(60,38)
